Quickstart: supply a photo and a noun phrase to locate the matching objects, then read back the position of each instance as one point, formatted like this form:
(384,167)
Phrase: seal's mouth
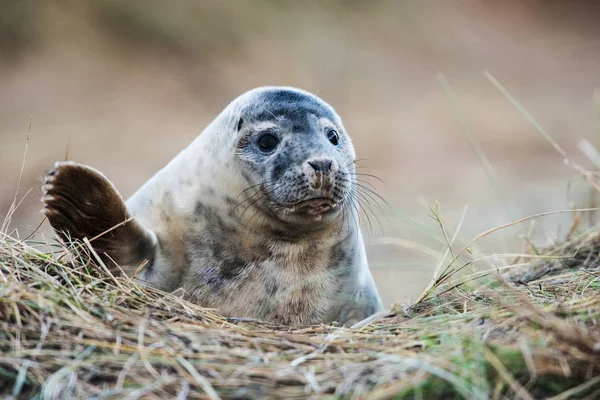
(315,206)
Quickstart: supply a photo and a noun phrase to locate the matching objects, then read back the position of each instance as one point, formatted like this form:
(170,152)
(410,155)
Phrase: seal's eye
(333,137)
(267,142)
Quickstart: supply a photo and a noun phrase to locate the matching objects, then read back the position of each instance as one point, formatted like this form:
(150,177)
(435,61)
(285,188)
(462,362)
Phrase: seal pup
(257,217)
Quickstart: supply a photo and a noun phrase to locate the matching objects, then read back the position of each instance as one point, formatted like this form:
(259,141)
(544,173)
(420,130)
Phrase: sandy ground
(127,111)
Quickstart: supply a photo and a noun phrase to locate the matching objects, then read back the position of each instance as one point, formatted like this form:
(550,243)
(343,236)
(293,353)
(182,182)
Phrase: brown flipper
(80,202)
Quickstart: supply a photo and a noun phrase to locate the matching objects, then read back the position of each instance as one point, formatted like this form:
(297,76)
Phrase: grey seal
(257,217)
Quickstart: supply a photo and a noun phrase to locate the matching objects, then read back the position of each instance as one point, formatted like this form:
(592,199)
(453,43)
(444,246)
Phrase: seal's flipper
(80,202)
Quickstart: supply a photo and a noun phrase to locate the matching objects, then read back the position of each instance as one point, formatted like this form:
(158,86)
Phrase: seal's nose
(320,173)
(322,165)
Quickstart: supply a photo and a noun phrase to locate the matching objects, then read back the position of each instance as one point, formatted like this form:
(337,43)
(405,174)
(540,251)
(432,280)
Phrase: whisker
(369,196)
(368,175)
(245,190)
(340,219)
(266,198)
(365,182)
(357,201)
(267,187)
(355,216)
(263,107)
(373,193)
(349,164)
(264,194)
(368,205)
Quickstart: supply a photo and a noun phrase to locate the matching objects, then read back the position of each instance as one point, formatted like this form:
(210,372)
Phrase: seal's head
(296,154)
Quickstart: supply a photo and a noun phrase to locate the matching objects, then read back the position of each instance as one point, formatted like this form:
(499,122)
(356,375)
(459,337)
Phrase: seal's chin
(311,212)
(315,207)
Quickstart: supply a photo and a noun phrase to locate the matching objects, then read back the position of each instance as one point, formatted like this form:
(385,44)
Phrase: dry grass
(70,331)
(525,330)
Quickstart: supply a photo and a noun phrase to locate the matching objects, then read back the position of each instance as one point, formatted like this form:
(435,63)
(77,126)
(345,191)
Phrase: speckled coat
(221,219)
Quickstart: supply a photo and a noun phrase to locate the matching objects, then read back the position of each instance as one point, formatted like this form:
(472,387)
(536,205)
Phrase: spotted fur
(254,233)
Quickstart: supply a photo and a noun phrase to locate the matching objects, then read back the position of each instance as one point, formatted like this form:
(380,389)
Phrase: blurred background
(126,85)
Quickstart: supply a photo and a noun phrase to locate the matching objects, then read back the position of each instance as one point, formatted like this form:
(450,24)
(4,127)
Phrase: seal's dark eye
(333,137)
(267,142)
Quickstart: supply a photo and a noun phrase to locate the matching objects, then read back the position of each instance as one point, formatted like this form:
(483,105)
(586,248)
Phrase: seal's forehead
(294,105)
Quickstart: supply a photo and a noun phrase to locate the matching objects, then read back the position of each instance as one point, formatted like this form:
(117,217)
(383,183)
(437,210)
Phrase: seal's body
(257,217)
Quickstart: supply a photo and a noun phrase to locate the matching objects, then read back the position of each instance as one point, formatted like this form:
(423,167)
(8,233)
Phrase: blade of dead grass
(475,145)
(449,271)
(569,394)
(204,384)
(13,206)
(519,390)
(449,242)
(585,174)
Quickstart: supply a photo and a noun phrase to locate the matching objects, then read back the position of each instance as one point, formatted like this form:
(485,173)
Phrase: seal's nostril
(321,165)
